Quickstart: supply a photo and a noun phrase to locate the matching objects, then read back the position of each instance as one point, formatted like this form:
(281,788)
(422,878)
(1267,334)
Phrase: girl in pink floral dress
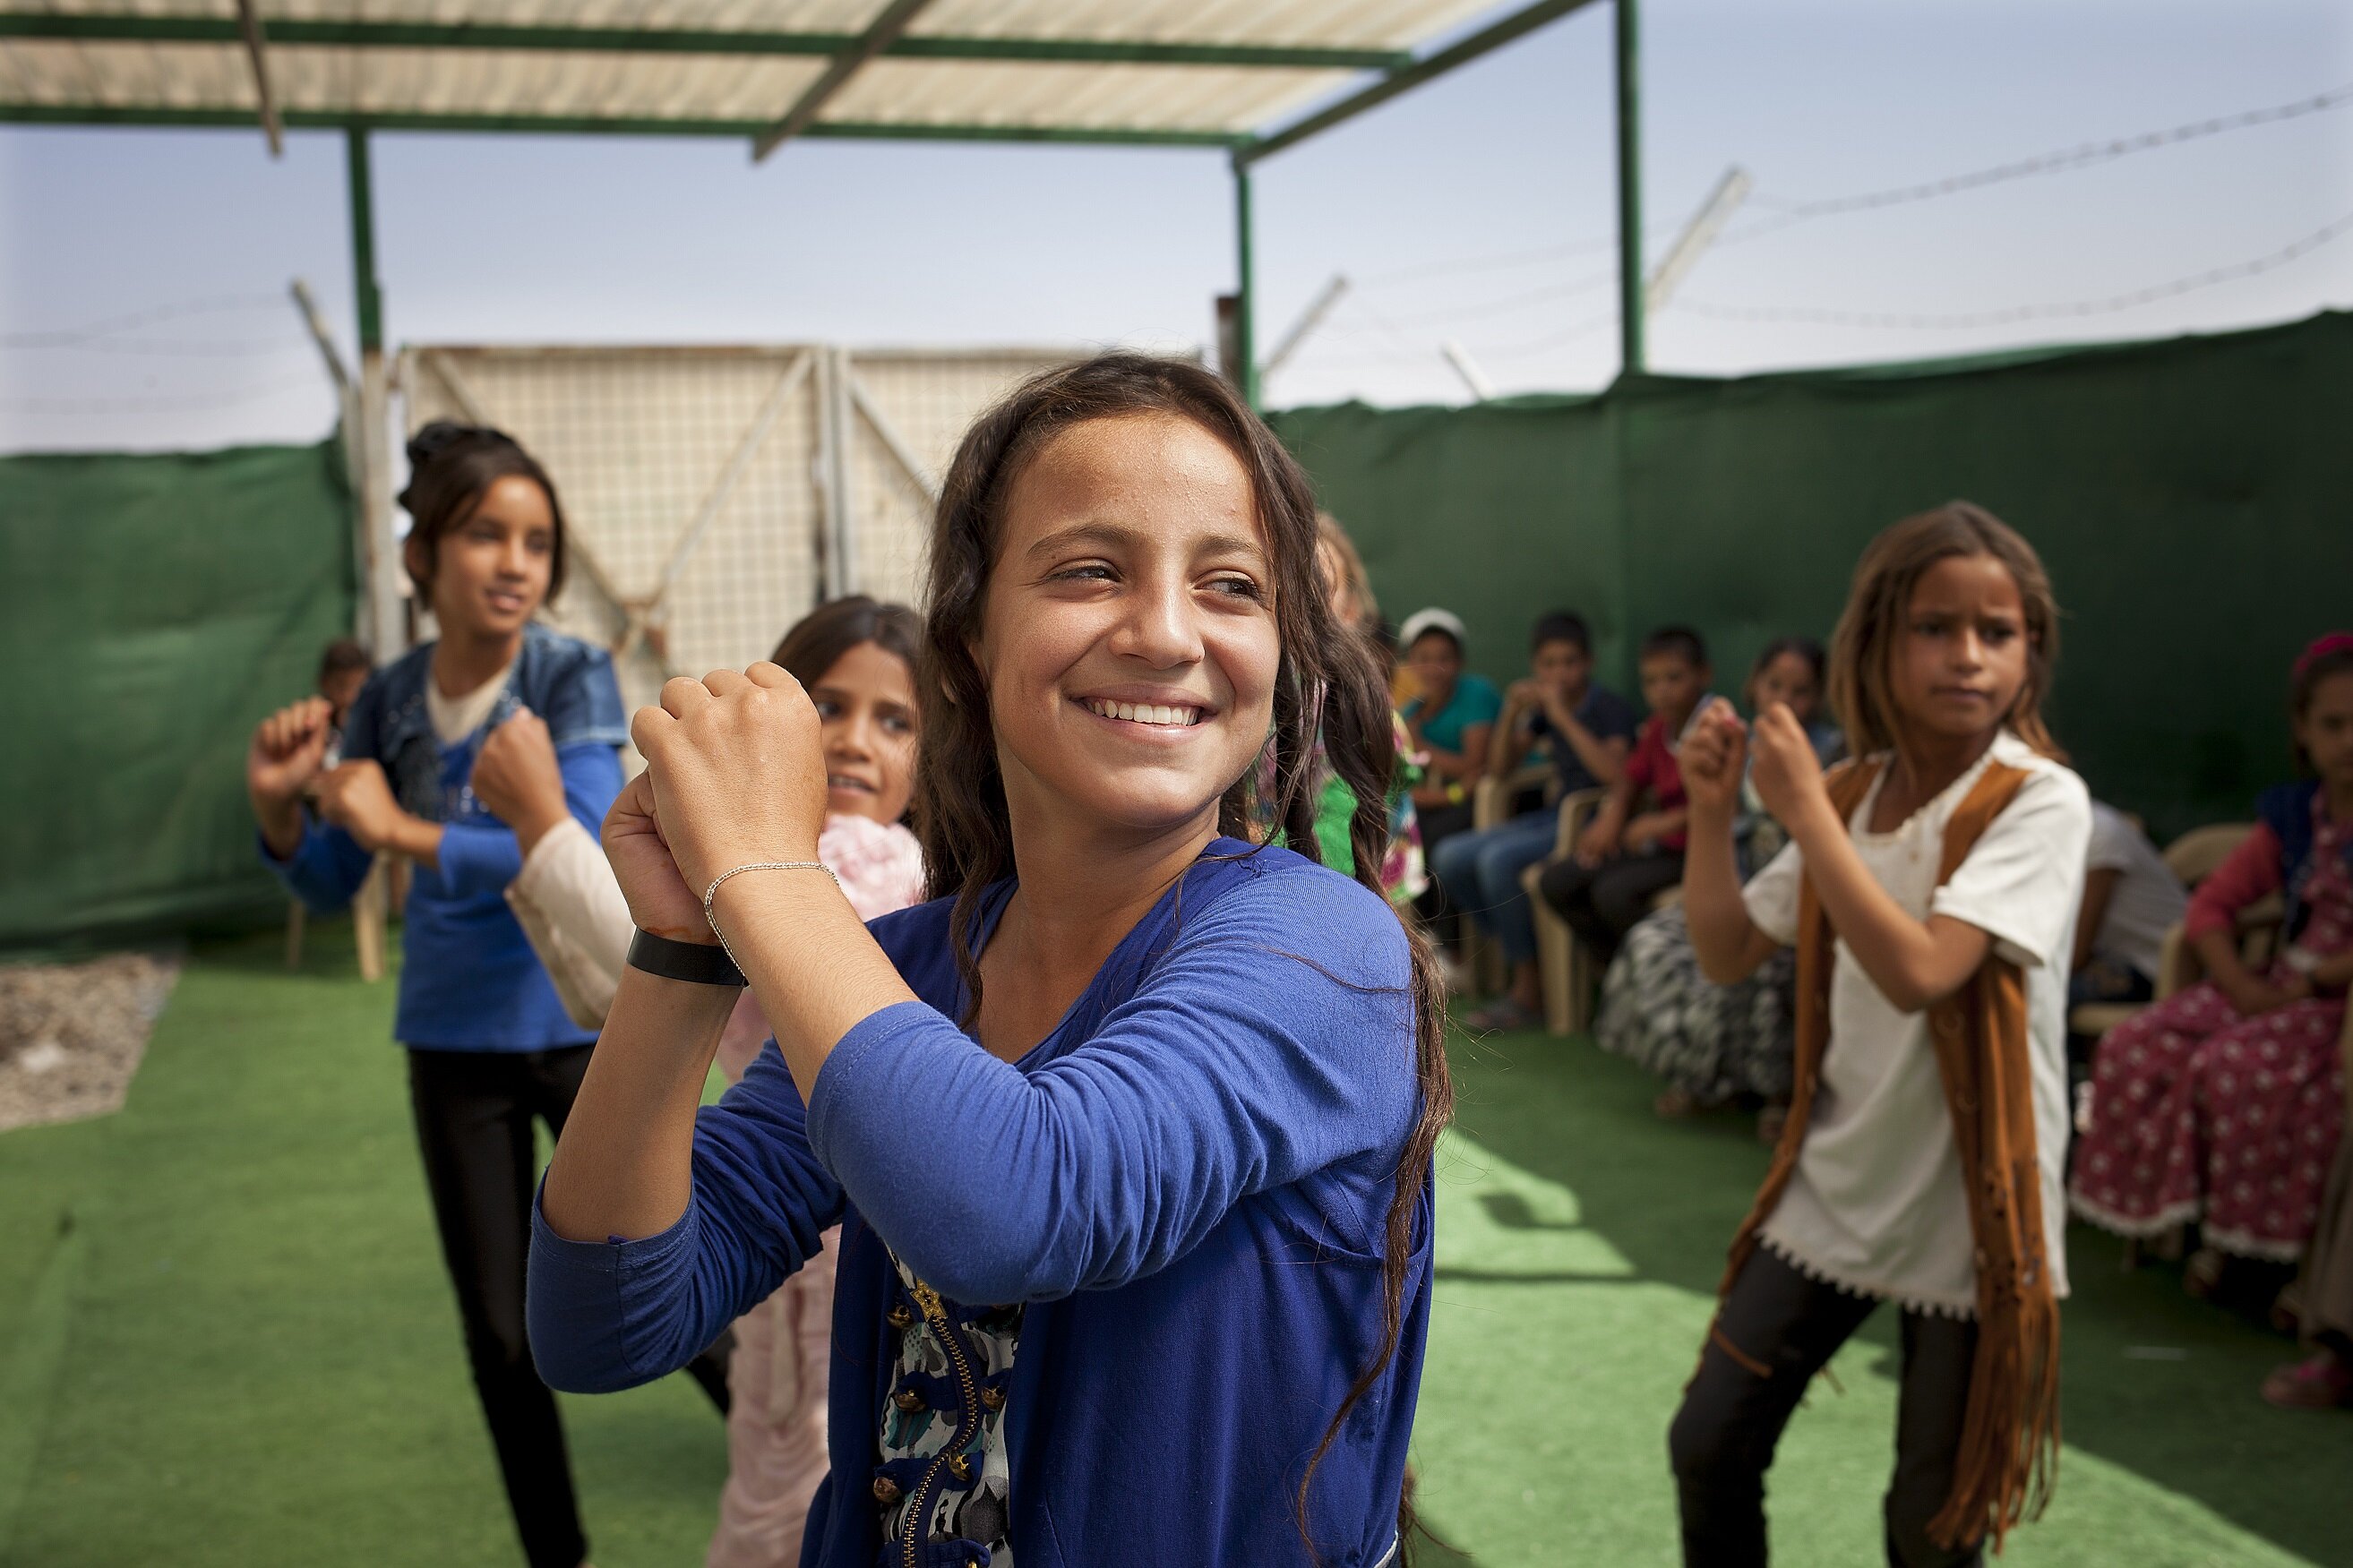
(2223,1103)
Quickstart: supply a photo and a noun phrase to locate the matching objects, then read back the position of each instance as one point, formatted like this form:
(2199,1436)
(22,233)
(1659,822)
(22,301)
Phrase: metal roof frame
(885,35)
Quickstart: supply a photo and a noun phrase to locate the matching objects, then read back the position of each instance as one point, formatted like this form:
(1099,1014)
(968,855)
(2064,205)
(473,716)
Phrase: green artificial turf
(225,1337)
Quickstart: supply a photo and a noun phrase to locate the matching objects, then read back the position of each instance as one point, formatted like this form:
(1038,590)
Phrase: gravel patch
(73,1034)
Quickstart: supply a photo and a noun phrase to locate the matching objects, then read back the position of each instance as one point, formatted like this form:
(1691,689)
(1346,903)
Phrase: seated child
(344,668)
(1589,728)
(1717,1043)
(1629,855)
(1450,715)
(2131,899)
(2222,1103)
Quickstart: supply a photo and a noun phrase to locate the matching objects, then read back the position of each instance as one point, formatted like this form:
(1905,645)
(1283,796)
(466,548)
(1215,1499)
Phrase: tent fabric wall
(2193,500)
(152,609)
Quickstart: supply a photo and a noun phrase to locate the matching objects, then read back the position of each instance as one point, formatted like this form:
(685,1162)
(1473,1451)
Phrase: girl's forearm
(1723,936)
(418,839)
(281,822)
(624,1166)
(1913,963)
(815,970)
(2217,951)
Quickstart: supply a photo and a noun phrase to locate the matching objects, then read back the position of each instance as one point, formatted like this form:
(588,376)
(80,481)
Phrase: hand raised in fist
(1788,773)
(517,780)
(285,752)
(1712,757)
(734,775)
(356,797)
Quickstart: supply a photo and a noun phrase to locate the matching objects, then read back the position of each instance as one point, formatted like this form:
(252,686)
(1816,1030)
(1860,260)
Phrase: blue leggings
(1481,873)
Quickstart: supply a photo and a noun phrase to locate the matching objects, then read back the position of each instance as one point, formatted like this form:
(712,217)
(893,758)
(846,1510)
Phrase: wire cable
(1789,211)
(316,380)
(1823,316)
(70,337)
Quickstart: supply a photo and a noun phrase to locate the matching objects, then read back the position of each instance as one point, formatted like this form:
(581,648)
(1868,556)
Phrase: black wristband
(698,963)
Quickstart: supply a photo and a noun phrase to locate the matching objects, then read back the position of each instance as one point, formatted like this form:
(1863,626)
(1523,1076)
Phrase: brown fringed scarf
(2010,1437)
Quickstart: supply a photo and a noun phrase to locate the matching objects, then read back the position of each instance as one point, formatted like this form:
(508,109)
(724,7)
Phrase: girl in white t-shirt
(1931,891)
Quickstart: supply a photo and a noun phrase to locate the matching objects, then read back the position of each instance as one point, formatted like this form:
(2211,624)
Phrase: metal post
(380,563)
(1630,356)
(1245,334)
(363,199)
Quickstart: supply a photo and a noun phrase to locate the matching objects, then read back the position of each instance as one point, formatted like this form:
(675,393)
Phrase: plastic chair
(2192,858)
(1568,970)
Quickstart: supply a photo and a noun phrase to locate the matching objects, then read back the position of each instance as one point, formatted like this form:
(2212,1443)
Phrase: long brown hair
(1326,678)
(1892,566)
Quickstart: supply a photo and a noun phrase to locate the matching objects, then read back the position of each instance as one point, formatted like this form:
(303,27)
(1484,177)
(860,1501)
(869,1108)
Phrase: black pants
(1722,1438)
(1602,902)
(474,1112)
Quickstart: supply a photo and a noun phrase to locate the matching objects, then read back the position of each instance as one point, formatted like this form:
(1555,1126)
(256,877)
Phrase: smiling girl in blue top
(489,1048)
(1129,1135)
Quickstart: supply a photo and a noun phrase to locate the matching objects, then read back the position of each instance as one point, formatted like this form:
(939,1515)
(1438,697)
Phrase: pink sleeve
(2252,871)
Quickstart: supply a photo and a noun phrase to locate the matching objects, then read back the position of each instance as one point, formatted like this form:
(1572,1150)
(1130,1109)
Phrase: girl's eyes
(826,708)
(537,544)
(899,724)
(1233,586)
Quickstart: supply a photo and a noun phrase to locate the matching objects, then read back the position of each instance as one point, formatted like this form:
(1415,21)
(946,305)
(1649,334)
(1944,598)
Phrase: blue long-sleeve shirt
(1184,1187)
(469,978)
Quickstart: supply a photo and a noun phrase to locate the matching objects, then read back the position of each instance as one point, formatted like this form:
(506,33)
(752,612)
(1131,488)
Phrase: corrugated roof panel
(172,76)
(1331,24)
(1097,97)
(396,77)
(596,85)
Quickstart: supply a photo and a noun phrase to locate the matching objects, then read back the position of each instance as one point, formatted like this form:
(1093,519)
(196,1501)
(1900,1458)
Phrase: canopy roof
(1200,72)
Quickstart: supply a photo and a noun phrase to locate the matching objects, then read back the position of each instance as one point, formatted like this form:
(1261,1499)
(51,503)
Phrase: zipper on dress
(968,1420)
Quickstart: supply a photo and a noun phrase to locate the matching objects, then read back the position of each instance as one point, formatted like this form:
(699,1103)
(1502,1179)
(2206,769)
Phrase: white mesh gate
(715,494)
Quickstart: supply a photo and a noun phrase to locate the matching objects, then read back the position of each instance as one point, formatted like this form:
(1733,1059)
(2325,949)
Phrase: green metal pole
(1245,333)
(1632,360)
(363,199)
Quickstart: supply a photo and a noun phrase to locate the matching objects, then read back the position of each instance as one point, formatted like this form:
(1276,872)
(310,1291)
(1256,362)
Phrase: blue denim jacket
(468,979)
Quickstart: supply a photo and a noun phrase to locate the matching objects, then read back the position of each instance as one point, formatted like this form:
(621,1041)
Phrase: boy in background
(1589,728)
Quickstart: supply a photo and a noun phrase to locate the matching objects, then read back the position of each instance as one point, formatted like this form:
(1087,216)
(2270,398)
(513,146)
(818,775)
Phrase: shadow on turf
(1667,1197)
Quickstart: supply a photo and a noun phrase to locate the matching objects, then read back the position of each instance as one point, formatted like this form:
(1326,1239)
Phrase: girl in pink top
(856,658)
(2222,1104)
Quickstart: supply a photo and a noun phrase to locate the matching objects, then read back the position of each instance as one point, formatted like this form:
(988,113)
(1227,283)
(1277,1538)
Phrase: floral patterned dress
(2198,1113)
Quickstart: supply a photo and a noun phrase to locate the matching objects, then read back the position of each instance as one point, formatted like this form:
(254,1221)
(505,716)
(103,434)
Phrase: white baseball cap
(1433,619)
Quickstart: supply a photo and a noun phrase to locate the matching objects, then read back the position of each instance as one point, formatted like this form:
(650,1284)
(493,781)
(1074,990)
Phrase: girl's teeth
(1147,714)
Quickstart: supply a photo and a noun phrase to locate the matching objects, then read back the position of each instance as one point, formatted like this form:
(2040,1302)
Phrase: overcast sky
(1506,165)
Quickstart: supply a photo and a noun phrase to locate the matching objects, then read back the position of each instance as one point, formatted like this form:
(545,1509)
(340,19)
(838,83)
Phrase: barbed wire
(2066,159)
(224,348)
(70,336)
(1504,307)
(1927,320)
(177,404)
(1792,212)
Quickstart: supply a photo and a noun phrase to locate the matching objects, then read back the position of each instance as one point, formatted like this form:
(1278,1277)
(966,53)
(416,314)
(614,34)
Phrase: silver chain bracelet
(709,892)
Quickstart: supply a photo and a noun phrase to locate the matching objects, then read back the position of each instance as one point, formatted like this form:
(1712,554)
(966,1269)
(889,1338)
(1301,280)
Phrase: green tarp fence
(2192,499)
(152,609)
